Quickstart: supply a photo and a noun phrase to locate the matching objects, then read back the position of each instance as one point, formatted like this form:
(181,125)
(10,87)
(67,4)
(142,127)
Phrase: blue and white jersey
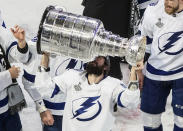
(88,106)
(143,5)
(165,43)
(6,40)
(58,64)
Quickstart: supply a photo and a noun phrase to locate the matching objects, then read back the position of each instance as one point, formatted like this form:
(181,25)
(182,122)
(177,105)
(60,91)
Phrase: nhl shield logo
(159,23)
(78,87)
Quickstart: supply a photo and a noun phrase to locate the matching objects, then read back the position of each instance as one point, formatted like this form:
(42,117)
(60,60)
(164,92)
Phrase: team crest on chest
(86,108)
(171,43)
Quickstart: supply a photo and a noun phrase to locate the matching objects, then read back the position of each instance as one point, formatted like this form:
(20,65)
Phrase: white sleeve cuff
(130,99)
(40,106)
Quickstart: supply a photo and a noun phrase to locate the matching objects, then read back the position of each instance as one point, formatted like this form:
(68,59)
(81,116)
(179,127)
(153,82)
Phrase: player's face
(171,6)
(96,67)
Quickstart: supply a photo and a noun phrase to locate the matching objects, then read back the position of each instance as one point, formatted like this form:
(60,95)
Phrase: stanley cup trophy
(84,38)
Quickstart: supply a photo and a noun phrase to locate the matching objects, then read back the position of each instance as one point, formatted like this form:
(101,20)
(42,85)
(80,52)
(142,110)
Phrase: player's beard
(171,10)
(93,68)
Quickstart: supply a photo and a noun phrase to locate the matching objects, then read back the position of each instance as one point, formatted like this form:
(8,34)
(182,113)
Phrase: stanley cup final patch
(78,87)
(159,23)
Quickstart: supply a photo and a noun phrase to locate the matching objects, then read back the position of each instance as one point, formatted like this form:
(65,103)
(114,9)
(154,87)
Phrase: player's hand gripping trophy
(84,38)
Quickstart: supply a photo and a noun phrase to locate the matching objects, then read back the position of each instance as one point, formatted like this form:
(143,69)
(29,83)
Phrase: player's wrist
(40,106)
(45,60)
(42,68)
(22,43)
(22,48)
(42,109)
(133,70)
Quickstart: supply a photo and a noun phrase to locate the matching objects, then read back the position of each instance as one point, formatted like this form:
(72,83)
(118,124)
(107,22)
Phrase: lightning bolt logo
(86,105)
(171,41)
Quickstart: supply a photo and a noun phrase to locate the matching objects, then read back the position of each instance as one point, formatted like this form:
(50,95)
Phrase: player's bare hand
(140,66)
(45,60)
(137,70)
(14,71)
(140,78)
(19,34)
(47,118)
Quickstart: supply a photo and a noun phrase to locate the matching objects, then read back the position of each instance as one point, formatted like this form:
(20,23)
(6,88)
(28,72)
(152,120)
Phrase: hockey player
(20,53)
(162,24)
(27,78)
(90,94)
(28,81)
(143,5)
(54,104)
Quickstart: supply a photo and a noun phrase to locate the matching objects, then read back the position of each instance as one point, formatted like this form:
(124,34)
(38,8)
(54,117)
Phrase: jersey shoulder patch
(154,3)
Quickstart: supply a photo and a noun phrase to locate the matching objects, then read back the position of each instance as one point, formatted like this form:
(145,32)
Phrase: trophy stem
(106,43)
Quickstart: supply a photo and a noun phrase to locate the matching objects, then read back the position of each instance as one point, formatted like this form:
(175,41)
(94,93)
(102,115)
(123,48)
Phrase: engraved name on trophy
(84,38)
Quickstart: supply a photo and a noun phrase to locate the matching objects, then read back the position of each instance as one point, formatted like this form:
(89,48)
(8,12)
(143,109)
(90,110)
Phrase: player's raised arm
(130,97)
(16,47)
(44,83)
(133,76)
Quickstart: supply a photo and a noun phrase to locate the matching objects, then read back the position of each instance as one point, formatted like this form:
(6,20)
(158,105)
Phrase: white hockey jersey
(88,107)
(58,64)
(142,4)
(165,39)
(6,39)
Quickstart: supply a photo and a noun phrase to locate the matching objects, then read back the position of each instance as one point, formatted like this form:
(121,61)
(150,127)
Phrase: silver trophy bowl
(84,38)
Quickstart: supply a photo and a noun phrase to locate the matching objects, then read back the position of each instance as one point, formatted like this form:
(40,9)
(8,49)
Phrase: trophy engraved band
(84,38)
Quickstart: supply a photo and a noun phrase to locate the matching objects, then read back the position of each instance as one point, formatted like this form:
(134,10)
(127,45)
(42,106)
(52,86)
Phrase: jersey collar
(178,13)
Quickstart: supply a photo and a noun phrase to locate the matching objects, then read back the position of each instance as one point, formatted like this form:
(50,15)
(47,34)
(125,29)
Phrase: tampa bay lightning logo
(86,109)
(69,64)
(167,43)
